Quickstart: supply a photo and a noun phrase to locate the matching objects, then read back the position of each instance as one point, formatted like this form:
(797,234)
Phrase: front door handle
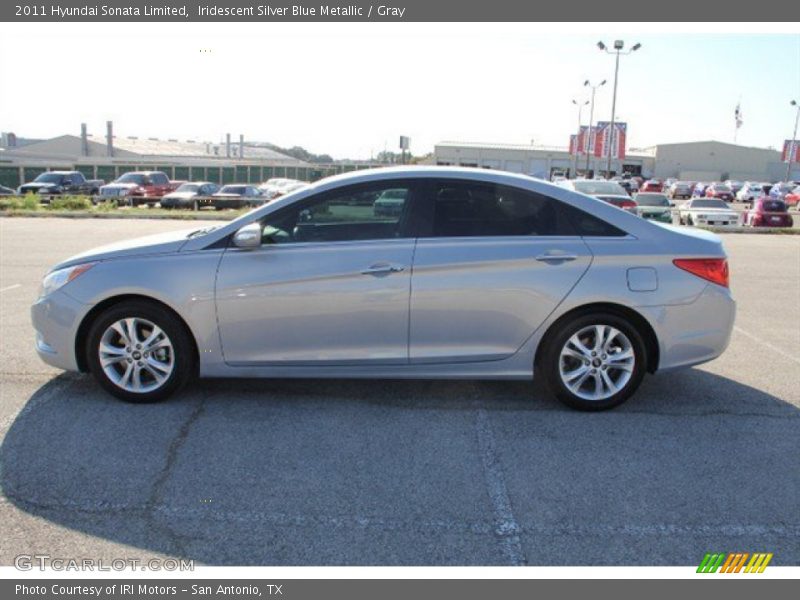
(552,257)
(382,269)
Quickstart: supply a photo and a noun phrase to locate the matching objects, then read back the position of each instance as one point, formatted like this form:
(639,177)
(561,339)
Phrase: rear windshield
(599,187)
(710,203)
(652,200)
(773,206)
(189,187)
(133,178)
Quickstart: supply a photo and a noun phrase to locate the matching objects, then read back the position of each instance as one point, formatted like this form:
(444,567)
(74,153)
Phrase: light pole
(580,106)
(591,118)
(618,46)
(793,142)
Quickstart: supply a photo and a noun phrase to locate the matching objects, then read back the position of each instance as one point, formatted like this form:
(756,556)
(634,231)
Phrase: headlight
(60,278)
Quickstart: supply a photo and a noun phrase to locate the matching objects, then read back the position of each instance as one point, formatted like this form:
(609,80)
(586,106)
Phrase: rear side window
(159,178)
(467,209)
(477,209)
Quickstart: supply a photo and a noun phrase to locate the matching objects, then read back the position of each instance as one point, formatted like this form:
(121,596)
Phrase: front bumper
(56,319)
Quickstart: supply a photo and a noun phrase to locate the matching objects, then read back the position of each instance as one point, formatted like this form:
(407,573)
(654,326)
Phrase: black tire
(184,356)
(558,337)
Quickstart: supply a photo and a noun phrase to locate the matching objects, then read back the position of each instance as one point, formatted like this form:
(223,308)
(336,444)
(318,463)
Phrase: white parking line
(767,344)
(11,287)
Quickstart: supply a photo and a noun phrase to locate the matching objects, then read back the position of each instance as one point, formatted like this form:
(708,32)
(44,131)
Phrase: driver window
(369,212)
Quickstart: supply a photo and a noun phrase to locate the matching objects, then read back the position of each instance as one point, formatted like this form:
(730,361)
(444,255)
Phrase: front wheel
(595,361)
(140,352)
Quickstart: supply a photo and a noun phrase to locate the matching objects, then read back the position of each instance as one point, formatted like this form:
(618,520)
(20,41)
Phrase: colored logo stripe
(734,561)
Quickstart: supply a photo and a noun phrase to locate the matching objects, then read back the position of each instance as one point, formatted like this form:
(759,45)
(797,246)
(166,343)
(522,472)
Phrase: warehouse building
(107,157)
(693,161)
(537,161)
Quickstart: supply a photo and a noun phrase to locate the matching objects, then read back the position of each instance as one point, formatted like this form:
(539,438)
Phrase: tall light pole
(618,46)
(580,106)
(793,142)
(591,117)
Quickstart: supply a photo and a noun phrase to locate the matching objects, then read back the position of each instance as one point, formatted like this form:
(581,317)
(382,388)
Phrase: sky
(350,90)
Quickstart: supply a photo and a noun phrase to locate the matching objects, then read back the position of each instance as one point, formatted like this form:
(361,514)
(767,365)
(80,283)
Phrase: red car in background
(793,197)
(720,191)
(768,212)
(652,185)
(139,187)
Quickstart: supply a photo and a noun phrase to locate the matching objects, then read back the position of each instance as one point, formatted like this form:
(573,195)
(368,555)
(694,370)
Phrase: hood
(120,186)
(162,243)
(37,185)
(181,195)
(726,211)
(219,195)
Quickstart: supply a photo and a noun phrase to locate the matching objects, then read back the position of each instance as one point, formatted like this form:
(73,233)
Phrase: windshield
(49,178)
(599,187)
(188,187)
(233,189)
(652,200)
(709,203)
(133,178)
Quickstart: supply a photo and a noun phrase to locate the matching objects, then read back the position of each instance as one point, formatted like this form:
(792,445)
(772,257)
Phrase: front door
(329,284)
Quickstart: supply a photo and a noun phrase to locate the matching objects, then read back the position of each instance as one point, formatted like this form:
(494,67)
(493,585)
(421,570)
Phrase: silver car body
(434,307)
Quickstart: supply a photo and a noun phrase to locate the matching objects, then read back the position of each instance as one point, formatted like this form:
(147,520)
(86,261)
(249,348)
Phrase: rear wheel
(140,352)
(595,361)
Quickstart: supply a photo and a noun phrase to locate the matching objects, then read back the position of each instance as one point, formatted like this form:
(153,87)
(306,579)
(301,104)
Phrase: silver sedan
(477,275)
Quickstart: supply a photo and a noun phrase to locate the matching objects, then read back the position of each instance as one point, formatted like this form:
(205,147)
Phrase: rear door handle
(552,257)
(382,269)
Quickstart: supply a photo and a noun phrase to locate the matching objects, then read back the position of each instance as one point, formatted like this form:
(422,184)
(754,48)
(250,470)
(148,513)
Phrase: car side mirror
(248,237)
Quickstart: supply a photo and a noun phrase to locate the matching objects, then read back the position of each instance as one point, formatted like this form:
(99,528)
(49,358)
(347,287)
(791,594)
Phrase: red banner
(603,140)
(788,149)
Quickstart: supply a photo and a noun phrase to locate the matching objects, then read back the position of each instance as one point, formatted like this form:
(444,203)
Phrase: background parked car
(734,185)
(750,191)
(652,185)
(237,195)
(61,182)
(186,195)
(139,187)
(654,205)
(680,190)
(6,191)
(767,212)
(719,190)
(699,190)
(607,191)
(390,203)
(793,198)
(272,188)
(707,211)
(780,189)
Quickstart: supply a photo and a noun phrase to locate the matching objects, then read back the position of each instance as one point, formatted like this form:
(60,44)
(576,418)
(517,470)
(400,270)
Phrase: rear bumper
(56,319)
(691,334)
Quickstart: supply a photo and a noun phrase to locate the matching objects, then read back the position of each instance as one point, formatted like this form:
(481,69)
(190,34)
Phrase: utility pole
(793,143)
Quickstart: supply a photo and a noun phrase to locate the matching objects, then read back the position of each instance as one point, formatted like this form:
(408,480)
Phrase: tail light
(627,204)
(714,270)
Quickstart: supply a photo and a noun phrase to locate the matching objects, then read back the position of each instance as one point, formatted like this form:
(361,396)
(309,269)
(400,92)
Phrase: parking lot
(279,472)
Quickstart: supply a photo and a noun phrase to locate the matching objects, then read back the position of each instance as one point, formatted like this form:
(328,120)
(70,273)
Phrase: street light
(591,115)
(618,46)
(580,106)
(793,142)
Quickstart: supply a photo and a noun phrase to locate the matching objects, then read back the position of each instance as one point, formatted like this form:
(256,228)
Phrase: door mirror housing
(248,237)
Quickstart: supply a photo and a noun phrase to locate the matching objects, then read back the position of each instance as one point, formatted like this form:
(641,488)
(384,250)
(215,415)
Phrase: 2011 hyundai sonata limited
(473,274)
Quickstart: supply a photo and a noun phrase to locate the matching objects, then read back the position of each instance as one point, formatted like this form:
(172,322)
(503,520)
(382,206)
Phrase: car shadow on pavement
(287,472)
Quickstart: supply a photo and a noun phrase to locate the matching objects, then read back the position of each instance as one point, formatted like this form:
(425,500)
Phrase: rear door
(492,266)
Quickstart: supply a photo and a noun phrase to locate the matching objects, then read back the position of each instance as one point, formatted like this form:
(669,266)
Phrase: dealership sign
(604,141)
(792,150)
